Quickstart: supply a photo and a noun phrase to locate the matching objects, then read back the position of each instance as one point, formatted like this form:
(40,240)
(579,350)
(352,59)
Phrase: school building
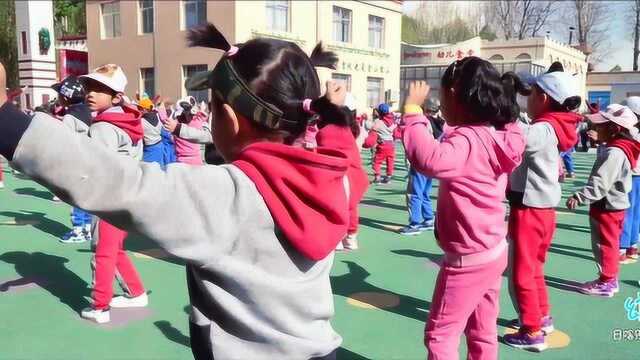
(147,38)
(605,88)
(532,56)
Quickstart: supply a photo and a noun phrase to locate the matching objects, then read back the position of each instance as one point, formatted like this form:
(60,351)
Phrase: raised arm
(605,172)
(194,135)
(184,209)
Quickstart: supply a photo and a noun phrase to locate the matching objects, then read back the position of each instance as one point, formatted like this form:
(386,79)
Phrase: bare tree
(521,18)
(634,12)
(590,19)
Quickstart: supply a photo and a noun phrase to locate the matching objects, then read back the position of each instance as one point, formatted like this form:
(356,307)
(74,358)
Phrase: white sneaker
(56,199)
(1,184)
(350,242)
(99,316)
(127,302)
(339,247)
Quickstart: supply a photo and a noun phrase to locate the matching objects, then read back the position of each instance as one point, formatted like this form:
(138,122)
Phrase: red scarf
(631,149)
(564,125)
(128,121)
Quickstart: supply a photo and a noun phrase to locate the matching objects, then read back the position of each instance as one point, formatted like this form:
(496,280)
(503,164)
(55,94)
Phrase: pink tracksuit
(472,163)
(188,152)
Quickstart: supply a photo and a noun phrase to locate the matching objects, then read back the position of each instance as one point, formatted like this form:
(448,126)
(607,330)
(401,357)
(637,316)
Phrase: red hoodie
(564,125)
(304,192)
(128,121)
(631,149)
(340,138)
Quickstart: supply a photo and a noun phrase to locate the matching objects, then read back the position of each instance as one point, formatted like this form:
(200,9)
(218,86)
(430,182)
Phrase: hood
(128,121)
(564,124)
(304,191)
(631,149)
(388,119)
(507,145)
(80,112)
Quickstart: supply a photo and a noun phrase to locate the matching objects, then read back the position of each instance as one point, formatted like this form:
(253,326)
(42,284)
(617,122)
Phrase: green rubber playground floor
(382,291)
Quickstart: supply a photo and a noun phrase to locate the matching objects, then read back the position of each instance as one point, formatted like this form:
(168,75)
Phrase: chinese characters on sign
(449,54)
(370,68)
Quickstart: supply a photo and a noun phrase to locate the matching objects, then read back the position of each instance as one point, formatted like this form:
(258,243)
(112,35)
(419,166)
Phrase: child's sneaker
(350,242)
(427,225)
(410,230)
(526,341)
(386,179)
(571,175)
(128,302)
(75,236)
(546,326)
(1,184)
(600,288)
(86,231)
(99,316)
(376,180)
(632,253)
(624,259)
(340,247)
(56,199)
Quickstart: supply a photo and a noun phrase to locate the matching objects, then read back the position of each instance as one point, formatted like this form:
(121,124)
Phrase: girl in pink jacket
(481,146)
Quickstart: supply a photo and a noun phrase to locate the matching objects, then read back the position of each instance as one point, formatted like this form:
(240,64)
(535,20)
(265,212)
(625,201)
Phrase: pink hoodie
(472,163)
(186,151)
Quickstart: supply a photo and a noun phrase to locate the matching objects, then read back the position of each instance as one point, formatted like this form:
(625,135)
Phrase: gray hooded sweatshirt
(253,294)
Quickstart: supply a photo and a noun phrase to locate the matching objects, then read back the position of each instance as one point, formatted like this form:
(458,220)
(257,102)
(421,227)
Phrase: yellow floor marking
(373,300)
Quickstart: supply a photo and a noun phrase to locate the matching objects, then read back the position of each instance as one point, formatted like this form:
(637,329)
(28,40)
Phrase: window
(496,58)
(45,99)
(195,13)
(187,72)
(278,15)
(341,24)
(376,32)
(24,42)
(110,19)
(147,82)
(523,56)
(146,16)
(27,101)
(374,92)
(342,79)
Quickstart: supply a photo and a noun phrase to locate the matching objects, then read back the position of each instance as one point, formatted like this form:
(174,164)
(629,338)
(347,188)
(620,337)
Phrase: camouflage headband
(227,86)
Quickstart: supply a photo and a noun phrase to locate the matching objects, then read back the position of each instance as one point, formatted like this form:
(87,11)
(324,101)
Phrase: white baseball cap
(559,85)
(616,113)
(110,75)
(633,103)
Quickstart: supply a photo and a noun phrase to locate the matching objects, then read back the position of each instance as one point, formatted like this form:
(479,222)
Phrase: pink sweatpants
(466,300)
(111,261)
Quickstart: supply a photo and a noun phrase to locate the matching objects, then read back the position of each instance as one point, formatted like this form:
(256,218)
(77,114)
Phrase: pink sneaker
(600,288)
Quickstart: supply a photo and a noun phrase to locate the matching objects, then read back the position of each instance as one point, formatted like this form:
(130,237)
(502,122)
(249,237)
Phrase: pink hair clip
(232,51)
(306,106)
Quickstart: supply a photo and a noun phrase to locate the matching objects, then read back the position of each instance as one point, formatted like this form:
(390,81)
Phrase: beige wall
(165,49)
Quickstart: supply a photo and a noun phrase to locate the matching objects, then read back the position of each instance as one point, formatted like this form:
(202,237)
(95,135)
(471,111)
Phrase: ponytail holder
(306,106)
(232,51)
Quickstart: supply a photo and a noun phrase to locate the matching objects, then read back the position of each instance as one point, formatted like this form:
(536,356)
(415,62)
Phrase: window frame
(274,6)
(185,77)
(380,98)
(196,3)
(112,15)
(141,17)
(341,21)
(342,77)
(143,81)
(382,31)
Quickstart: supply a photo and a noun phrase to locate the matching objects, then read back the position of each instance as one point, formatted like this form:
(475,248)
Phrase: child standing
(631,227)
(472,163)
(187,119)
(77,117)
(607,192)
(385,150)
(118,129)
(153,148)
(421,217)
(534,192)
(258,234)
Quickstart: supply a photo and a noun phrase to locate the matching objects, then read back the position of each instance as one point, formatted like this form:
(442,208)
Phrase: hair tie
(306,106)
(232,51)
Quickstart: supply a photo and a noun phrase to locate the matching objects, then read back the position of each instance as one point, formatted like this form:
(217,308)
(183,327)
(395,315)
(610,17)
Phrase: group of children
(259,232)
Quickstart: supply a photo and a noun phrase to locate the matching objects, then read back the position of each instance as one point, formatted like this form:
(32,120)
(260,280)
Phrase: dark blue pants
(418,200)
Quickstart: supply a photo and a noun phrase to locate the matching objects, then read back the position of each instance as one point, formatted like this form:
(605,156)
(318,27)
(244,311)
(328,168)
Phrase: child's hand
(593,135)
(572,203)
(335,93)
(418,92)
(170,125)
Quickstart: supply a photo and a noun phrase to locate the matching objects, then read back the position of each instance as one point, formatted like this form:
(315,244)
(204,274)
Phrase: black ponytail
(485,95)
(280,73)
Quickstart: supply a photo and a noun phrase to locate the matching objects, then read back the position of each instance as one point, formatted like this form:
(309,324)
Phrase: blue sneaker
(427,225)
(410,230)
(75,236)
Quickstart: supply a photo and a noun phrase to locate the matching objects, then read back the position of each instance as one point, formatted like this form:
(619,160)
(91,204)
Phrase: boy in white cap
(607,192)
(631,227)
(118,127)
(534,192)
